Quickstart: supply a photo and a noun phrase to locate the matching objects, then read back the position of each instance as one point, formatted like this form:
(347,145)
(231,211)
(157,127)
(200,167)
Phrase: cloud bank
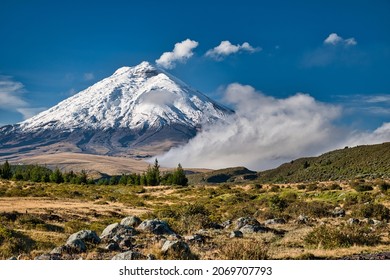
(226,48)
(266,131)
(181,52)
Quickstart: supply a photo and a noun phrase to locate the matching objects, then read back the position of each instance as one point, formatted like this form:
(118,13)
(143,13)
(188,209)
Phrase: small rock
(85,236)
(302,219)
(46,257)
(12,259)
(113,246)
(254,229)
(243,221)
(63,249)
(338,212)
(126,242)
(156,226)
(353,221)
(227,223)
(129,255)
(275,221)
(195,238)
(236,234)
(132,221)
(215,226)
(372,221)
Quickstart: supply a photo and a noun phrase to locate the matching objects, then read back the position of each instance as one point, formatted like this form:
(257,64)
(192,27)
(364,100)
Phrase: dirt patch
(36,205)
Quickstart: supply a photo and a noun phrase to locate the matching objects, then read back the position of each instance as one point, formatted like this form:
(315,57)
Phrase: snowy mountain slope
(137,110)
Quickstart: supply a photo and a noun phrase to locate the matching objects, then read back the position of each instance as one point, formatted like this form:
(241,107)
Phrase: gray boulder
(46,257)
(243,221)
(236,234)
(88,236)
(132,221)
(254,229)
(129,255)
(177,248)
(117,232)
(63,249)
(76,246)
(156,226)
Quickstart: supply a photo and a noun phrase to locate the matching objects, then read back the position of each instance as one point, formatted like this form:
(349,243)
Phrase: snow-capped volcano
(134,98)
(137,107)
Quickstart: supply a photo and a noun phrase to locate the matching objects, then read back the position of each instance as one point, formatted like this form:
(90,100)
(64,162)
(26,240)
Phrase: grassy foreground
(310,221)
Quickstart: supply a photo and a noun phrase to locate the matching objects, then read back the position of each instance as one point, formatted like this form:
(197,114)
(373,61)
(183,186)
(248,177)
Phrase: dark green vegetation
(371,161)
(234,174)
(36,173)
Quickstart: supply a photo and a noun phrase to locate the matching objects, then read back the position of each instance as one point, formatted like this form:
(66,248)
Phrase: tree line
(36,173)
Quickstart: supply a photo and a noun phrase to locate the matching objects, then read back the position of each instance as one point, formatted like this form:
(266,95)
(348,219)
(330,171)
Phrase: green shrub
(363,188)
(244,250)
(14,243)
(384,186)
(371,210)
(331,237)
(317,209)
(75,226)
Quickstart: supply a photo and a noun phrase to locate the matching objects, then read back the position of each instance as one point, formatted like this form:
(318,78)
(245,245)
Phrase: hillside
(372,161)
(234,174)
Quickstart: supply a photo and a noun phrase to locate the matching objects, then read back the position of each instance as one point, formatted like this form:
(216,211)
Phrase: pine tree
(6,171)
(179,176)
(153,174)
(56,176)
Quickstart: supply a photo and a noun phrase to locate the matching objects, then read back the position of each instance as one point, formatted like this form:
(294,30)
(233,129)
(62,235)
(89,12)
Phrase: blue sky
(50,50)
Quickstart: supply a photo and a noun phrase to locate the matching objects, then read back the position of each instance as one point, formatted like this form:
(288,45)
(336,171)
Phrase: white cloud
(379,135)
(334,49)
(10,91)
(266,131)
(181,52)
(334,39)
(88,76)
(11,98)
(226,48)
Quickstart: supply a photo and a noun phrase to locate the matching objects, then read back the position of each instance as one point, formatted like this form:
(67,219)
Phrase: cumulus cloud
(226,48)
(334,39)
(267,131)
(11,98)
(181,52)
(334,49)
